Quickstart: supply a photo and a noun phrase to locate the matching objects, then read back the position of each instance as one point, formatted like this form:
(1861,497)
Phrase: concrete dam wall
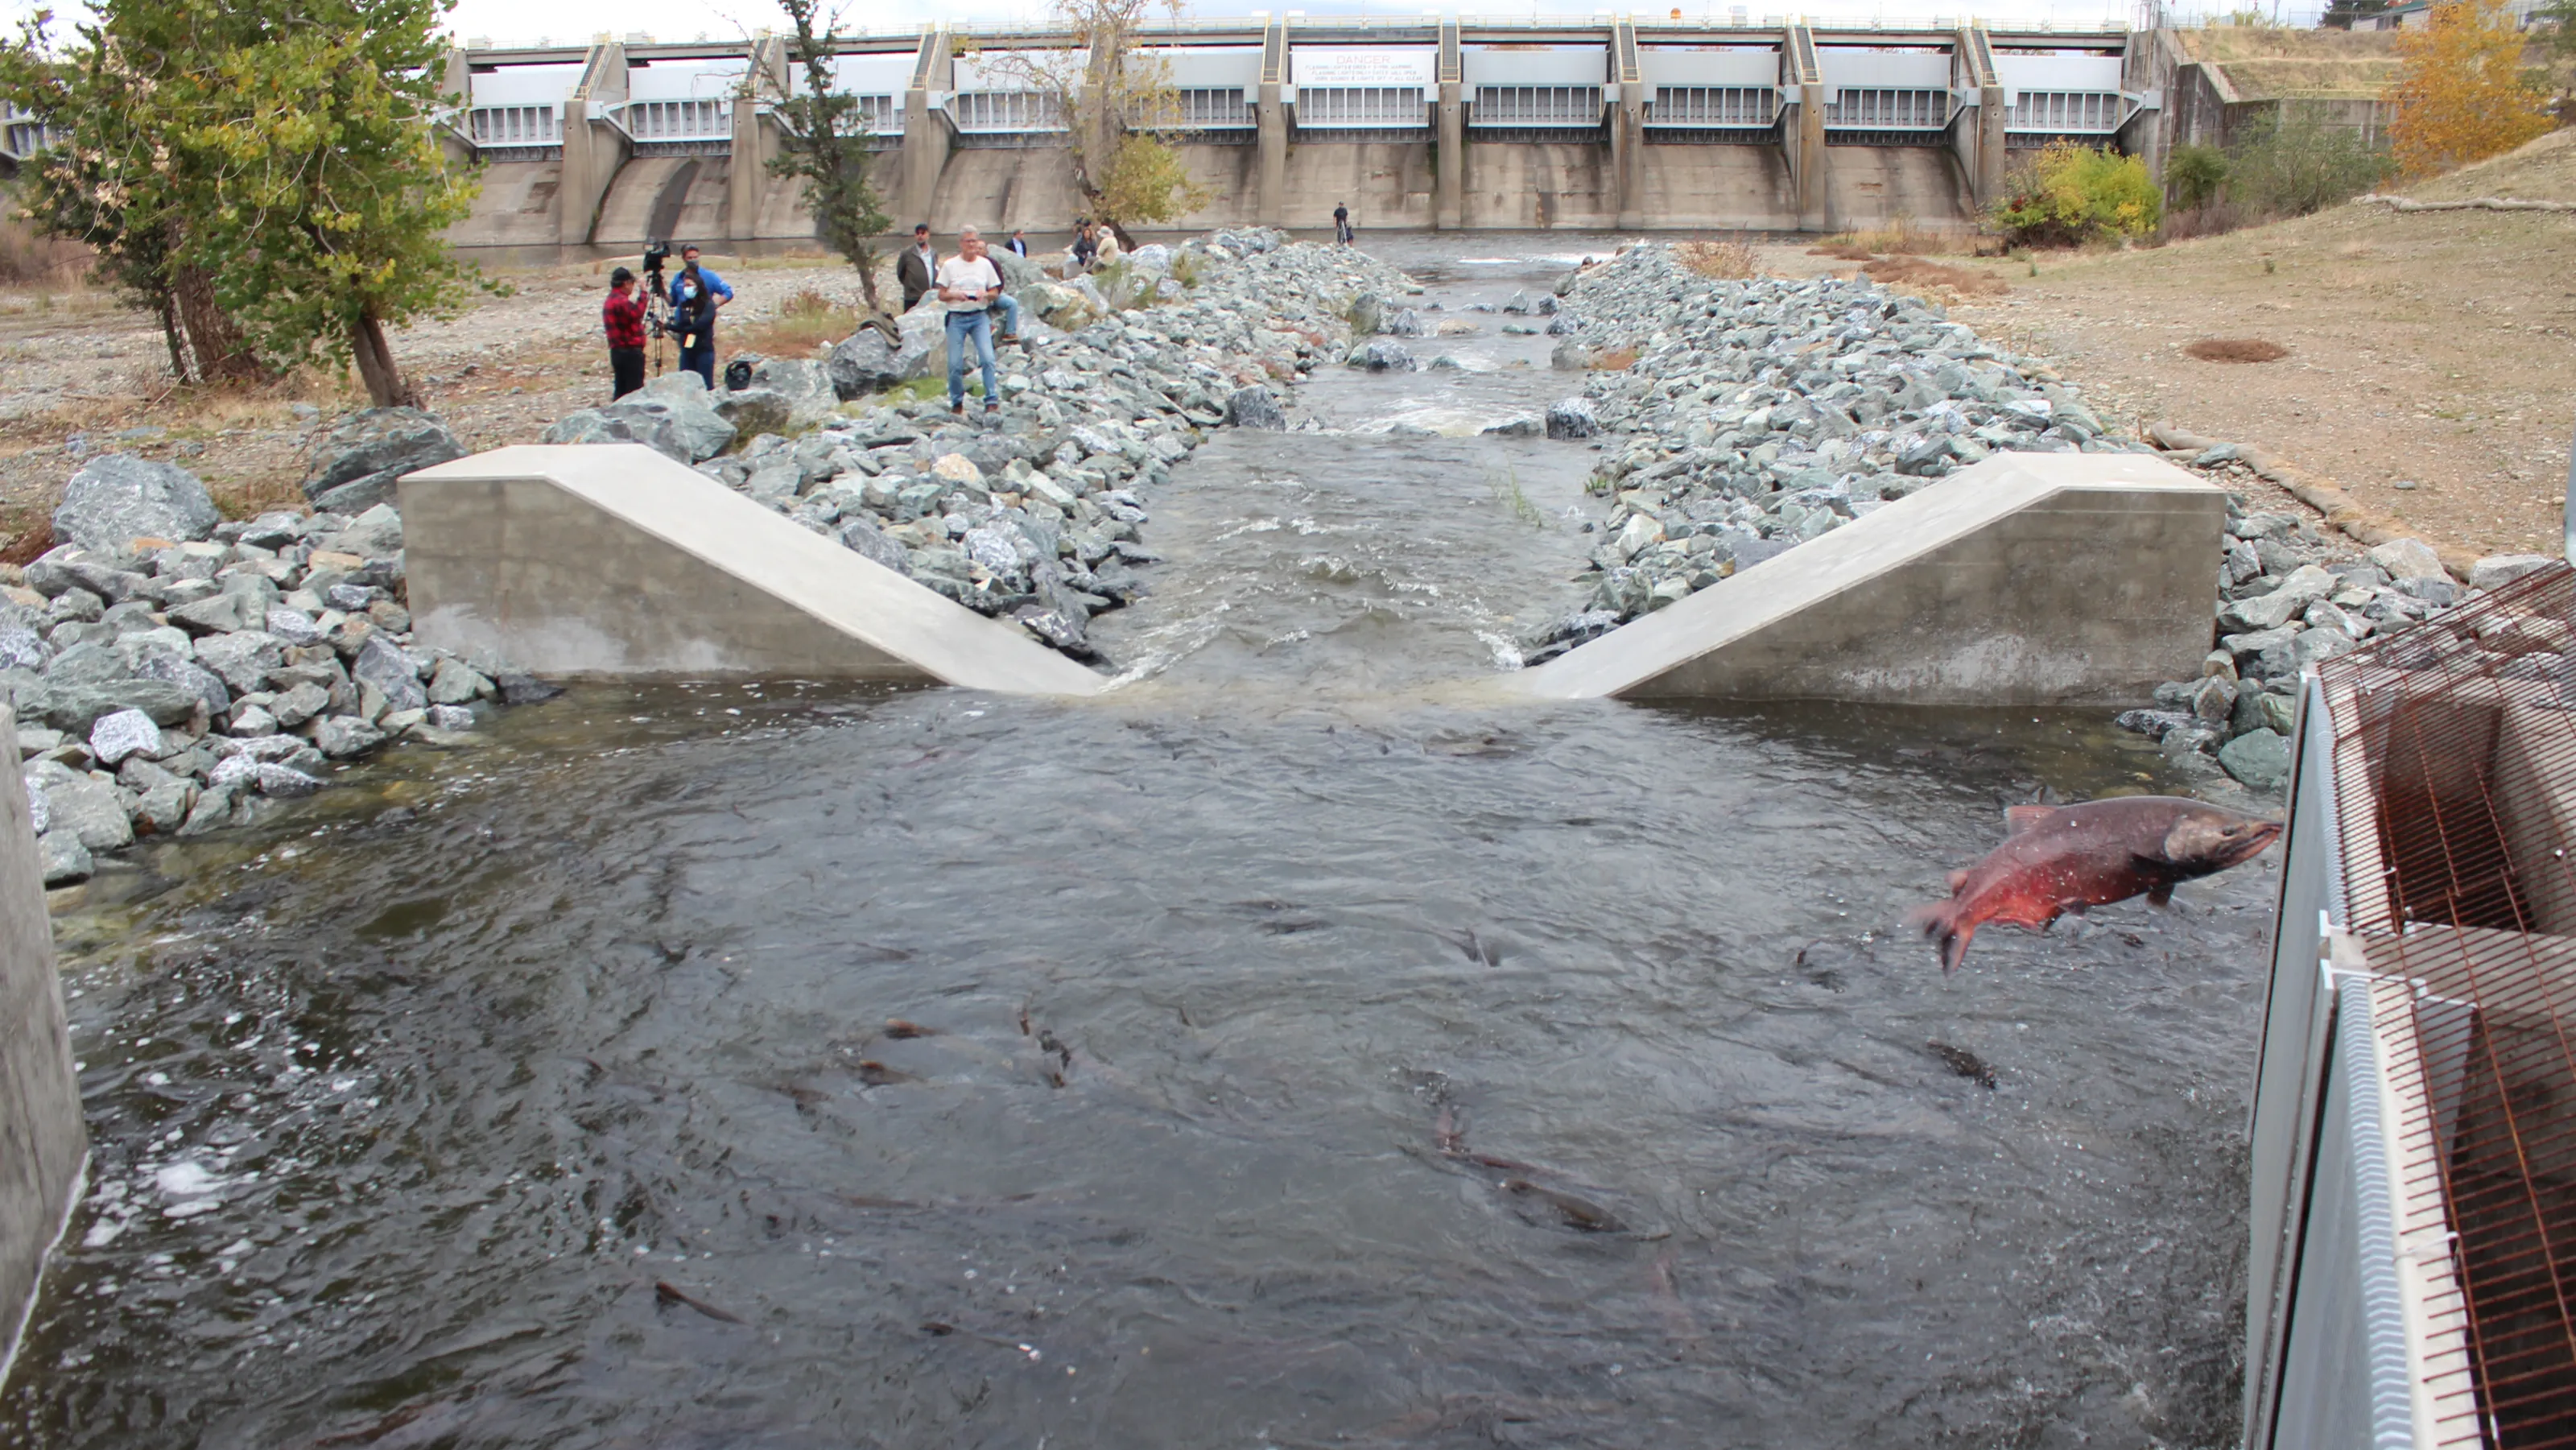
(1441,124)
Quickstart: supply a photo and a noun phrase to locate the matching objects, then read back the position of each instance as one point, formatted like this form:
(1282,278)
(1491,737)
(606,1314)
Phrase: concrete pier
(42,1142)
(2029,579)
(611,561)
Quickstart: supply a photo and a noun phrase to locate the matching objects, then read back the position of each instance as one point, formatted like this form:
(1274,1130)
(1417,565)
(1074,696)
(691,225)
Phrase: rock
(74,709)
(2408,559)
(251,722)
(2214,701)
(805,383)
(655,430)
(242,658)
(356,465)
(1402,322)
(2259,758)
(1254,407)
(375,534)
(1366,313)
(867,363)
(1572,418)
(299,704)
(86,808)
(292,625)
(1527,425)
(756,410)
(113,499)
(343,736)
(456,683)
(200,682)
(2497,570)
(1381,357)
(164,808)
(2292,596)
(63,859)
(114,736)
(862,537)
(957,471)
(519,689)
(284,781)
(212,812)
(385,666)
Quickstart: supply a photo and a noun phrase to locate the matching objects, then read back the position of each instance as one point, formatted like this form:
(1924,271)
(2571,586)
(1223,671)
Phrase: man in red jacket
(623,314)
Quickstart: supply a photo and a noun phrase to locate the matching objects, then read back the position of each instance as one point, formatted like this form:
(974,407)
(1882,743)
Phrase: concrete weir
(42,1142)
(612,561)
(2029,579)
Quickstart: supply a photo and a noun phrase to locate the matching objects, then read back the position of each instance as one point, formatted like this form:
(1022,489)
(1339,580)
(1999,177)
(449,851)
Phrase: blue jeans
(701,359)
(1010,306)
(977,324)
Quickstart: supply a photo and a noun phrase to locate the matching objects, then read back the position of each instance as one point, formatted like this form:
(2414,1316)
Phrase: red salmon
(2057,859)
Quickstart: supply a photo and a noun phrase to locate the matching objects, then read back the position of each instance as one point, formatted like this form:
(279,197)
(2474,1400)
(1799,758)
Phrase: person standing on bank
(1018,245)
(623,313)
(968,283)
(696,294)
(915,266)
(1342,224)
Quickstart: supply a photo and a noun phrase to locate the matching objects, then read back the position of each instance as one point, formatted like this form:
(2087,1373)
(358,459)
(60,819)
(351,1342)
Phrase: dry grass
(30,260)
(1613,359)
(803,323)
(1711,257)
(1916,274)
(2544,170)
(2237,350)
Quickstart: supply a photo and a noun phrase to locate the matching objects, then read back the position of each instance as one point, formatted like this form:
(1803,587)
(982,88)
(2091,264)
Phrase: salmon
(2057,859)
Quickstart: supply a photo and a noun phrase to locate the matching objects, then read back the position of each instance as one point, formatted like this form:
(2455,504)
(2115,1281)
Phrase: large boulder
(356,464)
(867,363)
(1253,407)
(1382,357)
(655,430)
(755,411)
(2497,570)
(1019,274)
(114,499)
(1572,418)
(806,384)
(673,416)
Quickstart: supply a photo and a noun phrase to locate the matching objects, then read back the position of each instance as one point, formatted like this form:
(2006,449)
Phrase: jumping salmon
(2057,859)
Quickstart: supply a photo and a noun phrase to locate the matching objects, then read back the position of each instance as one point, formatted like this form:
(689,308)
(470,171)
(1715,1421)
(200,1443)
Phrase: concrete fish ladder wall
(43,1145)
(612,561)
(2029,579)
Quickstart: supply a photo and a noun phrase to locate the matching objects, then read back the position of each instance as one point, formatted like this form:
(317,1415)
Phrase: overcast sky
(525,22)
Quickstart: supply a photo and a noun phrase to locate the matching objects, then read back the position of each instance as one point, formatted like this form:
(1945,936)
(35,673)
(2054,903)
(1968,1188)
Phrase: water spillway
(1295,1046)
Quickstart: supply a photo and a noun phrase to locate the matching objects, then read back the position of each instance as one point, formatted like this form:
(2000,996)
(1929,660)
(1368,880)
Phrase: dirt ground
(76,369)
(2432,356)
(2431,366)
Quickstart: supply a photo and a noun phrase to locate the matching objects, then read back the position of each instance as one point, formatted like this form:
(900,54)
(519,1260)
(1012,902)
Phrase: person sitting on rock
(1086,247)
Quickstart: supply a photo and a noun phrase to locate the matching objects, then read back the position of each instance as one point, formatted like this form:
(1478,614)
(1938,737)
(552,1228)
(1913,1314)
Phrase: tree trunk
(866,262)
(168,307)
(386,386)
(223,353)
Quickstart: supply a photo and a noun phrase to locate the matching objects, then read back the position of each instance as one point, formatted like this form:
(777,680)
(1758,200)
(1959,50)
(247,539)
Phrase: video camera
(657,255)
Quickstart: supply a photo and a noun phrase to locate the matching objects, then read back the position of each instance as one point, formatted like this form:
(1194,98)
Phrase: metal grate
(2454,763)
(1699,106)
(2090,112)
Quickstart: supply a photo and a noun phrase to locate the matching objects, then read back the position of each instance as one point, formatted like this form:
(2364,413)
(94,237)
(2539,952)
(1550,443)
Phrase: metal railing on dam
(1468,122)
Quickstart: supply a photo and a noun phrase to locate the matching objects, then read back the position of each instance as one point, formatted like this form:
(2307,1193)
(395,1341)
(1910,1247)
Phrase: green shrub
(2069,194)
(2300,165)
(2194,174)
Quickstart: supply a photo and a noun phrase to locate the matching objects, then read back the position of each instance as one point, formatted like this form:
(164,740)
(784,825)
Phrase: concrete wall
(2031,578)
(612,561)
(1865,185)
(42,1142)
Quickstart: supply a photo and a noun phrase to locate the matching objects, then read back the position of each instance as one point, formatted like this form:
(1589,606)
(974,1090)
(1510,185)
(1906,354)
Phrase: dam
(1426,123)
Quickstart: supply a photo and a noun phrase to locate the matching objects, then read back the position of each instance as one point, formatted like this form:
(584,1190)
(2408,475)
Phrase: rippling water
(1293,1048)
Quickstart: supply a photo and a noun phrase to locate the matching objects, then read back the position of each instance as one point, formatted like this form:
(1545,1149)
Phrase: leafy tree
(2194,174)
(107,179)
(2068,194)
(2460,93)
(826,147)
(1112,98)
(2301,165)
(274,156)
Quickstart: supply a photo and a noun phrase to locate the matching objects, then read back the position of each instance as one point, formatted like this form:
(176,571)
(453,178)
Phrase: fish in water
(2057,859)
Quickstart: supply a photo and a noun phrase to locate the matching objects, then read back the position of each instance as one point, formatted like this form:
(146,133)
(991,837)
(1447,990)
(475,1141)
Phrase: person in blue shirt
(696,295)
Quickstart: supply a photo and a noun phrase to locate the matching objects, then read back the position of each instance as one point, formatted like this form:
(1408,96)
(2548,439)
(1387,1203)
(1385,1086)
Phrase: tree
(320,194)
(2460,93)
(2300,164)
(2194,174)
(826,146)
(1113,99)
(109,178)
(2066,194)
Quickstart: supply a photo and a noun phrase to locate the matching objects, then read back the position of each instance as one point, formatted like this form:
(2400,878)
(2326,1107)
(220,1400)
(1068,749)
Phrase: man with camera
(623,314)
(696,294)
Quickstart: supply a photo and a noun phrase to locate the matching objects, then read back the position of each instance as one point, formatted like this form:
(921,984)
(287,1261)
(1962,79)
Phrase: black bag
(737,375)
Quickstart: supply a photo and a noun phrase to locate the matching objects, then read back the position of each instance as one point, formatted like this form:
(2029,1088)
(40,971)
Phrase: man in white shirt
(968,283)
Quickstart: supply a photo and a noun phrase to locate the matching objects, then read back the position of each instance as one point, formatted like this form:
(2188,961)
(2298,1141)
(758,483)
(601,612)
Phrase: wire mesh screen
(2454,770)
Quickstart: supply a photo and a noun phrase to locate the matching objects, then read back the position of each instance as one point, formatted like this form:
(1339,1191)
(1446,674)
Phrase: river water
(1293,1048)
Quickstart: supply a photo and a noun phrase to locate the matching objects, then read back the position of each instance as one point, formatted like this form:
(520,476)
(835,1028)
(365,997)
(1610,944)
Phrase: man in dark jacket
(915,266)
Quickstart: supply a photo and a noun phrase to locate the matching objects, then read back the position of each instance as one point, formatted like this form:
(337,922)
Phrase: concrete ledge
(42,1142)
(2029,579)
(612,561)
